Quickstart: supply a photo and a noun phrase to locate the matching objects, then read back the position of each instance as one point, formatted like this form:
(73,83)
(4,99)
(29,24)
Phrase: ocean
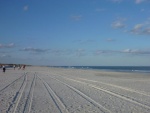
(139,69)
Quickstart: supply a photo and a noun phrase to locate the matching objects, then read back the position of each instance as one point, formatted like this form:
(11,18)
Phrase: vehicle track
(12,83)
(119,87)
(112,85)
(141,96)
(89,99)
(13,103)
(32,92)
(61,107)
(20,92)
(24,102)
(132,100)
(24,96)
(138,96)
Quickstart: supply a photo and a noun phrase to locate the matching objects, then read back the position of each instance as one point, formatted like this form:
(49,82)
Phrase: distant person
(4,69)
(23,67)
(19,67)
(14,67)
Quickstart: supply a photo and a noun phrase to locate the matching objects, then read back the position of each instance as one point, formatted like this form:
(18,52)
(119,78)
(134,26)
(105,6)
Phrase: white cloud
(139,1)
(136,51)
(76,17)
(147,22)
(110,40)
(119,23)
(142,29)
(35,50)
(138,26)
(142,10)
(68,52)
(99,52)
(88,41)
(116,0)
(5,56)
(146,31)
(125,51)
(80,52)
(61,52)
(25,8)
(11,45)
(137,29)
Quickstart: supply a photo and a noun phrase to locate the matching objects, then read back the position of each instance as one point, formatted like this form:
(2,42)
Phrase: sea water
(139,69)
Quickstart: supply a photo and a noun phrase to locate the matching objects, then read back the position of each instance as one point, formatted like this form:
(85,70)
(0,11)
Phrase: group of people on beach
(20,67)
(14,66)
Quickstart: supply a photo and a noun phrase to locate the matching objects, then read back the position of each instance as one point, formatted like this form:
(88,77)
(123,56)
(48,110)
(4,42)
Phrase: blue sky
(75,32)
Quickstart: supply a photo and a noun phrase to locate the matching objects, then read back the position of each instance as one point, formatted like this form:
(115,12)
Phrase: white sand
(57,90)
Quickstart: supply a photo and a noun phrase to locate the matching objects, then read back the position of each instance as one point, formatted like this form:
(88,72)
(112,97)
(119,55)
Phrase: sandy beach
(59,90)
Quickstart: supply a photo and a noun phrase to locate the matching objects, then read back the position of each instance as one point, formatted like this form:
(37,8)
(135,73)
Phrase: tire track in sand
(102,108)
(20,92)
(60,105)
(17,94)
(120,87)
(129,99)
(24,105)
(12,83)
